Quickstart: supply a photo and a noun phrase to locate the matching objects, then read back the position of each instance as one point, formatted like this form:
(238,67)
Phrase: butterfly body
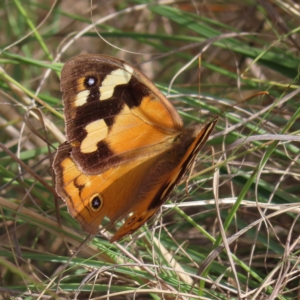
(126,145)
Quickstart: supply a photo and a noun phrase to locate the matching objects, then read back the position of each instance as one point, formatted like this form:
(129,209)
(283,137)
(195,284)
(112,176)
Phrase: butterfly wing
(90,198)
(113,113)
(169,168)
(137,188)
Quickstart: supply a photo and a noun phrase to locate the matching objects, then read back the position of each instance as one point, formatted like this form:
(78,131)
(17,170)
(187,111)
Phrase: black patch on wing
(90,112)
(136,92)
(91,163)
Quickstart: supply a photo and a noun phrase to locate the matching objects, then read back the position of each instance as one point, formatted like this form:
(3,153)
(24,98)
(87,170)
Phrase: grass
(235,234)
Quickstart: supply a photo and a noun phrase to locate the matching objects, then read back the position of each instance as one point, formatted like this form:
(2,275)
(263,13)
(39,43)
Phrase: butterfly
(126,145)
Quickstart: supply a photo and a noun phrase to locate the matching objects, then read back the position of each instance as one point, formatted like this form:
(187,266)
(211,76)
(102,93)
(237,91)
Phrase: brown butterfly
(126,146)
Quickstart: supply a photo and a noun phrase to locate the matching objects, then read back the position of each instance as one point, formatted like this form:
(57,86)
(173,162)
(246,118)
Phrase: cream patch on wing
(116,77)
(96,132)
(81,98)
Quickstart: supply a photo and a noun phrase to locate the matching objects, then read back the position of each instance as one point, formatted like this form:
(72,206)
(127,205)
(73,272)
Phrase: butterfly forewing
(113,112)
